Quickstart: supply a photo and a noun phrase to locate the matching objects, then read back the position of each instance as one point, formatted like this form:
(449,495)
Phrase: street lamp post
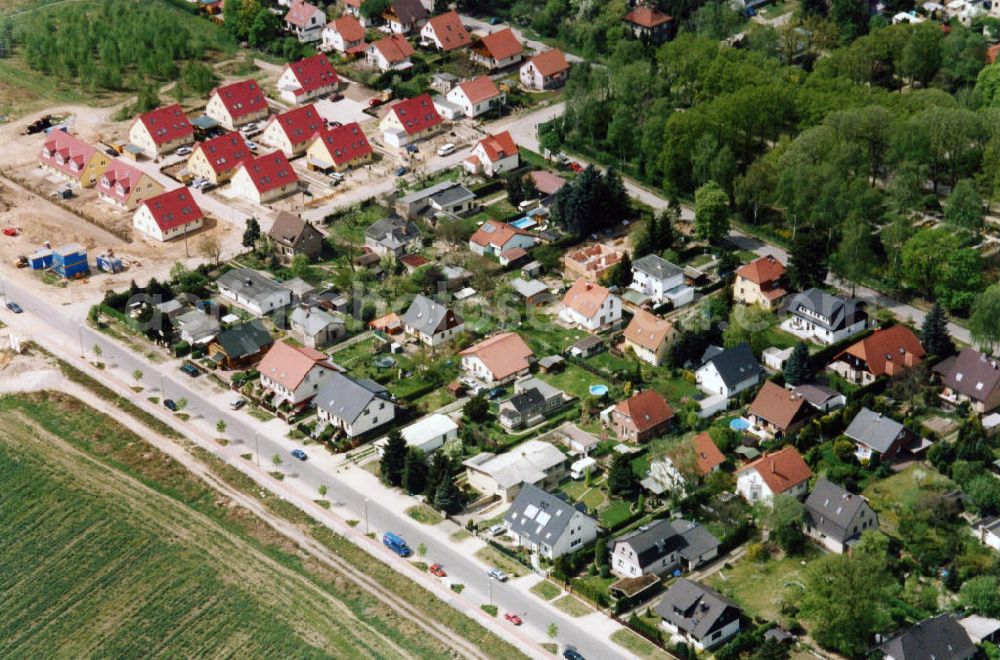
(256,448)
(490,585)
(364,508)
(79,332)
(163,392)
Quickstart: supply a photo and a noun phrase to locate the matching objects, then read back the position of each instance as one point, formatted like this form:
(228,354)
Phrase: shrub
(181,349)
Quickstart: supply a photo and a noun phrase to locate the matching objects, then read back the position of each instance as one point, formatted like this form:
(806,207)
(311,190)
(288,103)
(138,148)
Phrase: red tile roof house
(218,159)
(344,35)
(236,104)
(590,306)
(404,16)
(410,120)
(499,359)
(126,186)
(782,472)
(493,155)
(547,70)
(169,215)
(265,179)
(887,352)
(642,417)
(305,21)
(494,237)
(72,159)
(161,131)
(292,131)
(445,32)
(775,412)
(687,462)
(649,25)
(760,282)
(294,373)
(353,8)
(498,50)
(477,96)
(307,79)
(338,148)
(390,53)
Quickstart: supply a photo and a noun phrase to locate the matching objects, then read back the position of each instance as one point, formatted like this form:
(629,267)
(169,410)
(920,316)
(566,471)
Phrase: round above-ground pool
(739,424)
(384,361)
(598,390)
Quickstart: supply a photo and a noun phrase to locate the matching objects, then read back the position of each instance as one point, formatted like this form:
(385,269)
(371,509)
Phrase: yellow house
(73,159)
(760,283)
(410,120)
(218,159)
(650,337)
(339,149)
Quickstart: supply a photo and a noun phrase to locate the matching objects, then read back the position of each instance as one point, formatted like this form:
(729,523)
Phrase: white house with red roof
(590,306)
(218,159)
(498,50)
(72,159)
(345,35)
(294,373)
(390,53)
(784,471)
(338,148)
(499,359)
(161,131)
(546,70)
(236,104)
(292,131)
(305,21)
(494,154)
(126,186)
(353,8)
(410,120)
(307,79)
(265,179)
(445,32)
(168,215)
(477,96)
(494,237)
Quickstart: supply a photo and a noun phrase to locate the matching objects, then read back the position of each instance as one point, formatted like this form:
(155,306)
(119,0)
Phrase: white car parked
(446,149)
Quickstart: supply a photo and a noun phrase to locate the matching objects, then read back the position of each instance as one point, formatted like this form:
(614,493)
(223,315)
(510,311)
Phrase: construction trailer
(109,263)
(41,259)
(70,261)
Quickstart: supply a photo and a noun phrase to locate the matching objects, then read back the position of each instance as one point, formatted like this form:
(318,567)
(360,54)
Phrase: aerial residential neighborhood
(534,328)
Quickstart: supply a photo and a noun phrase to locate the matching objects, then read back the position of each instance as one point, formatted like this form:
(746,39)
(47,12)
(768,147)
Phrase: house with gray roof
(431,322)
(698,616)
(878,437)
(661,281)
(817,316)
(835,517)
(532,462)
(545,524)
(315,327)
(355,407)
(532,292)
(970,377)
(662,546)
(532,402)
(393,236)
(727,372)
(241,346)
(447,198)
(253,291)
(940,637)
(196,326)
(292,235)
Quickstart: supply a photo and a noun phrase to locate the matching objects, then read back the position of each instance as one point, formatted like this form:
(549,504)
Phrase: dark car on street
(170,405)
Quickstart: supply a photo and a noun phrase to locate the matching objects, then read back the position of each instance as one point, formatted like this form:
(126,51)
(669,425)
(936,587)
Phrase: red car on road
(576,167)
(436,569)
(513,618)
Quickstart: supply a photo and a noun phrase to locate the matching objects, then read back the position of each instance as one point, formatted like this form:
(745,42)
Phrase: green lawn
(760,588)
(493,557)
(615,514)
(572,606)
(574,380)
(424,514)
(546,590)
(887,495)
(637,644)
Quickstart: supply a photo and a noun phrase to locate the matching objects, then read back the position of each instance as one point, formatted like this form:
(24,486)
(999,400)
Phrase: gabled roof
(348,27)
(67,153)
(972,374)
(660,538)
(550,62)
(299,124)
(781,470)
(241,98)
(393,232)
(656,266)
(648,330)
(874,429)
(494,232)
(734,364)
(940,637)
(289,365)
(316,72)
(118,180)
(831,509)
(346,398)
(416,114)
(288,229)
(706,453)
(270,171)
(173,208)
(647,17)
(504,355)
(585,297)
(225,152)
(547,182)
(539,516)
(248,283)
(345,143)
(429,317)
(827,311)
(313,320)
(888,352)
(479,89)
(244,340)
(449,31)
(696,609)
(394,48)
(166,124)
(763,270)
(408,11)
(300,12)
(499,146)
(529,462)
(502,44)
(647,410)
(777,405)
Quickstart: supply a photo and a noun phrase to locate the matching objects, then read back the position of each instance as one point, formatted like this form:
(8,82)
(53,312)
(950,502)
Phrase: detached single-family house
(661,546)
(760,282)
(240,346)
(294,373)
(498,359)
(775,412)
(126,186)
(686,463)
(344,35)
(448,198)
(498,50)
(533,401)
(161,131)
(887,352)
(878,436)
(546,70)
(818,316)
(292,235)
(590,262)
(493,155)
(970,377)
(236,104)
(253,291)
(987,531)
(218,159)
(835,517)
(494,237)
(393,236)
(315,327)
(196,326)
(532,462)
(354,407)
(640,417)
(168,215)
(940,637)
(445,32)
(305,21)
(476,97)
(697,615)
(430,322)
(265,179)
(390,53)
(404,16)
(590,306)
(727,372)
(650,337)
(338,148)
(649,25)
(72,159)
(783,471)
(661,280)
(428,434)
(292,131)
(410,120)
(309,78)
(353,8)
(546,525)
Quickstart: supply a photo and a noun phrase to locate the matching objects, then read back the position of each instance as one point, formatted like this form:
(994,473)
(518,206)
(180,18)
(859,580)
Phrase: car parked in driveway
(497,530)
(183,151)
(299,454)
(497,574)
(190,370)
(14,307)
(170,405)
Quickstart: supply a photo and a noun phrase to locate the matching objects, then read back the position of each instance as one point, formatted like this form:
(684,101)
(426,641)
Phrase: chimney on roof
(774,467)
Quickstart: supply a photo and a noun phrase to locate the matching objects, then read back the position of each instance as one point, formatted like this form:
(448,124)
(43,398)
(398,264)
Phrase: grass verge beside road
(638,645)
(493,557)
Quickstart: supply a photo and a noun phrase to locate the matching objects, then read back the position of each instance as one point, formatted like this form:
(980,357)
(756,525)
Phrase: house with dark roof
(292,235)
(533,401)
(781,472)
(497,50)
(640,417)
(727,372)
(240,346)
(940,637)
(886,352)
(316,327)
(970,377)
(835,518)
(661,546)
(817,316)
(547,525)
(404,16)
(661,281)
(354,407)
(775,411)
(392,235)
(878,437)
(431,322)
(697,615)
(448,198)
(688,462)
(546,70)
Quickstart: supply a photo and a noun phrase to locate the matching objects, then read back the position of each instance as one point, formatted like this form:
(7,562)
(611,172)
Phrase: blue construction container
(109,263)
(41,259)
(70,260)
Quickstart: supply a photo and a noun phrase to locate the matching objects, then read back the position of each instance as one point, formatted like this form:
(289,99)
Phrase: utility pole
(163,392)
(364,508)
(256,448)
(490,585)
(79,332)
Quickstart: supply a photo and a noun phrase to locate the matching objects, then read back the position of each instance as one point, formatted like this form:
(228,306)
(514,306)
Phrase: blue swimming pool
(524,223)
(739,424)
(598,390)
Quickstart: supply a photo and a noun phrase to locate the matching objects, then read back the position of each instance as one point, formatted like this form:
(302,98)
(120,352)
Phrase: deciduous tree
(711,212)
